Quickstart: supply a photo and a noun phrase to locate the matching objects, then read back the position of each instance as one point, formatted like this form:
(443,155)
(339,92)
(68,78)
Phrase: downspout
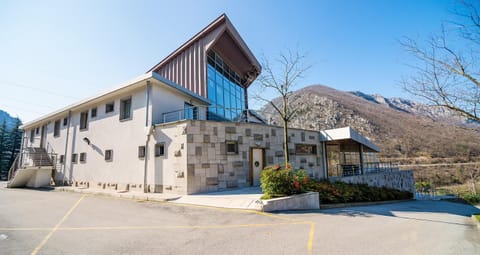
(148,132)
(66,148)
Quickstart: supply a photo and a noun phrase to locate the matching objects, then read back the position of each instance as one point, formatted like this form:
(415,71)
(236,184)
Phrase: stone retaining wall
(401,180)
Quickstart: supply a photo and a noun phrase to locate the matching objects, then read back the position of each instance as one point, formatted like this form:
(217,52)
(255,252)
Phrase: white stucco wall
(167,100)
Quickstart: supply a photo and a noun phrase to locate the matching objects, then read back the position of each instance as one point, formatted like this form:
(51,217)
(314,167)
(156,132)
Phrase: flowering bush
(278,181)
(340,192)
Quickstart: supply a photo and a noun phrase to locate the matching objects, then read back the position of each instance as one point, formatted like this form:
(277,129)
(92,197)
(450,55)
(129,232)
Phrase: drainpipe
(66,148)
(148,131)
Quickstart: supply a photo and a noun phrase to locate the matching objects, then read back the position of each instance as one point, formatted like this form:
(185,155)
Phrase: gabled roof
(221,20)
(127,86)
(346,133)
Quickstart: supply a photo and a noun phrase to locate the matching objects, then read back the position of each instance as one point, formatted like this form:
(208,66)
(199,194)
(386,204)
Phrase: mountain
(402,128)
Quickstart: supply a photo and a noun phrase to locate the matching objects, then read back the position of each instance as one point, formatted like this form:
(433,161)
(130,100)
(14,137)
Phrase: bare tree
(281,76)
(447,73)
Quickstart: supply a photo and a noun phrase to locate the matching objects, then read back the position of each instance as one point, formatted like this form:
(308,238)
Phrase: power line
(12,84)
(26,102)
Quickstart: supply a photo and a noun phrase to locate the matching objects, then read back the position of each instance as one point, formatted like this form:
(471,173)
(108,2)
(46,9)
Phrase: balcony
(205,113)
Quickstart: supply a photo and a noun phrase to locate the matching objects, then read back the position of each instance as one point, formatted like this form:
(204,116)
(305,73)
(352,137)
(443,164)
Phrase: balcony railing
(205,113)
(343,170)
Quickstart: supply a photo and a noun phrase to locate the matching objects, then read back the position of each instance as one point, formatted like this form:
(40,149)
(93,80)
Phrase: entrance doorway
(43,136)
(257,163)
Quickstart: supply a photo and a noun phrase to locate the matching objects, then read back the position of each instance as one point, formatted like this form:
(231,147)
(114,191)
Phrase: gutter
(148,130)
(66,147)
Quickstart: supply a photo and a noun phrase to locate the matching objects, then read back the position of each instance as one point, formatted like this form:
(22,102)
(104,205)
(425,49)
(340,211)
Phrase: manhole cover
(3,237)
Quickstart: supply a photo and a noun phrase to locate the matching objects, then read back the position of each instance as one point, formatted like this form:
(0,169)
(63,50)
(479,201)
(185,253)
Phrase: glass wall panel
(224,90)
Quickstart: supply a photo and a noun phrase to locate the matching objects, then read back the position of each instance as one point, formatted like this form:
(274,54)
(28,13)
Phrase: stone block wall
(211,168)
(401,180)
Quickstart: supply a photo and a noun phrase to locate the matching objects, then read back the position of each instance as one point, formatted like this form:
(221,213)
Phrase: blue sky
(53,53)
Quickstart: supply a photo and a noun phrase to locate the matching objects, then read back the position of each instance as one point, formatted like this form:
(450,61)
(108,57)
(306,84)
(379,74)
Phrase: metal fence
(358,169)
(204,113)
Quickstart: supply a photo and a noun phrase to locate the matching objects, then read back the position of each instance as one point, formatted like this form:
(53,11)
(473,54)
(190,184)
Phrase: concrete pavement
(46,222)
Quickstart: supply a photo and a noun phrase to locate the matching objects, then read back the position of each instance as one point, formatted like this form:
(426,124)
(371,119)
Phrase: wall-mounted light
(86,140)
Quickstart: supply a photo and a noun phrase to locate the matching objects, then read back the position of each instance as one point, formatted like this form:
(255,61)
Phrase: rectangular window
(141,151)
(74,158)
(62,159)
(32,135)
(56,129)
(83,157)
(305,149)
(65,121)
(159,149)
(110,107)
(84,120)
(232,147)
(93,112)
(108,155)
(126,109)
(37,130)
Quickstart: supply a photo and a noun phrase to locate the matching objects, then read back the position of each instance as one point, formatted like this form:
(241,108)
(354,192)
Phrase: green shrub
(340,192)
(277,181)
(471,198)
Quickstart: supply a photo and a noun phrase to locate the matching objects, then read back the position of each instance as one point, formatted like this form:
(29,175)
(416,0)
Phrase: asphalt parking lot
(47,222)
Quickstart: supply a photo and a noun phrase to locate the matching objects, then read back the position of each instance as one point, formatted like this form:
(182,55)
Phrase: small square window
(65,121)
(93,112)
(108,155)
(62,159)
(74,158)
(141,151)
(83,157)
(56,129)
(126,109)
(84,120)
(159,149)
(110,107)
(232,147)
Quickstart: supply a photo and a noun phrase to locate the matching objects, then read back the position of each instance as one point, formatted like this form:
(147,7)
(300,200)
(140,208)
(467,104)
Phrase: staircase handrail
(13,168)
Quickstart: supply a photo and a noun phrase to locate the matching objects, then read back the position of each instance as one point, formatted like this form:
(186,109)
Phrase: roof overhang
(131,85)
(226,40)
(347,133)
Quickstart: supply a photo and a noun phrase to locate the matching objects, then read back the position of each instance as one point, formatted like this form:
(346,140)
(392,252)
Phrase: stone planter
(305,201)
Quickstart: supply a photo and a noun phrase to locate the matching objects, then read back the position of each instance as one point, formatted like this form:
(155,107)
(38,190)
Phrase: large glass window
(224,90)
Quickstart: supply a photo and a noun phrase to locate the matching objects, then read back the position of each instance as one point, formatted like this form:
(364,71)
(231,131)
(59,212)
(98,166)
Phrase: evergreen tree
(15,138)
(3,149)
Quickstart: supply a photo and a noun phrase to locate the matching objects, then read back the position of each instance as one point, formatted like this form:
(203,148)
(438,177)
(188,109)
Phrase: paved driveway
(43,222)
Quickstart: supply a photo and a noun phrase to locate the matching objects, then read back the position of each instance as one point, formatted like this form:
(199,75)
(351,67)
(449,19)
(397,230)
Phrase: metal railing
(343,170)
(33,157)
(204,113)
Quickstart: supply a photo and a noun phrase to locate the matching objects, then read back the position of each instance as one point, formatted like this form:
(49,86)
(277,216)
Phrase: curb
(142,197)
(342,205)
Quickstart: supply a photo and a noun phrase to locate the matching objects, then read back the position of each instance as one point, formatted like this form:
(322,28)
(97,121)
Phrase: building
(182,127)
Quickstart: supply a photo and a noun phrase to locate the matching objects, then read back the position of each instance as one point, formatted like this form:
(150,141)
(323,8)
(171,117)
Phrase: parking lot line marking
(310,238)
(45,239)
(182,227)
(25,229)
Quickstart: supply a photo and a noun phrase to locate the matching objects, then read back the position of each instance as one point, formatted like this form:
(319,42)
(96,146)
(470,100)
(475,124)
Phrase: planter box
(305,201)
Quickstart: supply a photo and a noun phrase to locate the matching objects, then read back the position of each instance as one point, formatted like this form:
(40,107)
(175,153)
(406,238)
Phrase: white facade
(154,134)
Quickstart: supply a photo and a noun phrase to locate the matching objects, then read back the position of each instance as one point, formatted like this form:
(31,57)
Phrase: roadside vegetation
(278,181)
